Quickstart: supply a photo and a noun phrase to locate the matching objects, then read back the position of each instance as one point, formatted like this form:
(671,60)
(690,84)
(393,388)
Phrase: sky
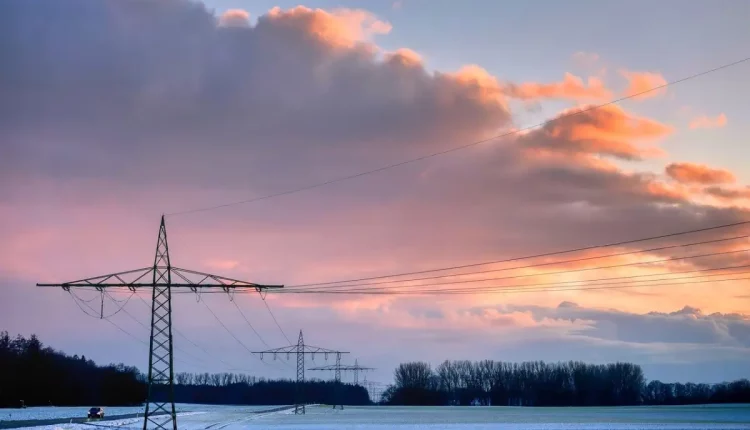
(114,113)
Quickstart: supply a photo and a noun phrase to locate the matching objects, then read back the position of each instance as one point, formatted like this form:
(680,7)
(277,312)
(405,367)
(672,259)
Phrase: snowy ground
(449,418)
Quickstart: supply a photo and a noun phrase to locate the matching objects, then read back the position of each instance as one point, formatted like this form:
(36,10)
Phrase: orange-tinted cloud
(707,122)
(692,173)
(340,27)
(640,82)
(571,88)
(608,130)
(235,18)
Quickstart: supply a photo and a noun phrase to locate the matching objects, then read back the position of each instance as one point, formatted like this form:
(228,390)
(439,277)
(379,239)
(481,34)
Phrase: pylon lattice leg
(337,386)
(160,400)
(299,407)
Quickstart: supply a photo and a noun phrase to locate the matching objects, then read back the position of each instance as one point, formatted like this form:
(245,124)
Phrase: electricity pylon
(338,368)
(302,350)
(159,278)
(374,390)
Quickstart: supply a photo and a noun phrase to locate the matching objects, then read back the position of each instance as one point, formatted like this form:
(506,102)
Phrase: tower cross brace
(301,350)
(160,279)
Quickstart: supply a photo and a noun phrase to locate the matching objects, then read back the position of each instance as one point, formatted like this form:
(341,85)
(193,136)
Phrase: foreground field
(480,418)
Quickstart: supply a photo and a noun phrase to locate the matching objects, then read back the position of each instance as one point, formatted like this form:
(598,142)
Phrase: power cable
(527,257)
(230,332)
(249,324)
(457,148)
(617,280)
(276,321)
(509,291)
(465,281)
(118,327)
(229,366)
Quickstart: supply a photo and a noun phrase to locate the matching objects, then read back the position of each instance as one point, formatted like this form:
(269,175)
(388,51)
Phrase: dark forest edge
(42,376)
(538,383)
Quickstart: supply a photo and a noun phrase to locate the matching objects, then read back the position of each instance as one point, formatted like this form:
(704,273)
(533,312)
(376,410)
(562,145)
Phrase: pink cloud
(692,173)
(340,27)
(639,82)
(707,122)
(235,18)
(571,87)
(211,115)
(608,130)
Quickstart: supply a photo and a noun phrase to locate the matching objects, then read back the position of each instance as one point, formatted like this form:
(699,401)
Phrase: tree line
(537,383)
(241,389)
(36,375)
(39,375)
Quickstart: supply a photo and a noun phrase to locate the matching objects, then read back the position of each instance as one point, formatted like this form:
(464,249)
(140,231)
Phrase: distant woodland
(537,383)
(39,375)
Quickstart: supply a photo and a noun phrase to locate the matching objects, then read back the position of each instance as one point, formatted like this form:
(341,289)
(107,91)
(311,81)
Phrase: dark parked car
(96,413)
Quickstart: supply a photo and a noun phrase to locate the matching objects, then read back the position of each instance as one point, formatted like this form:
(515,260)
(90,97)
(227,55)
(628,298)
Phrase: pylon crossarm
(221,280)
(133,279)
(105,281)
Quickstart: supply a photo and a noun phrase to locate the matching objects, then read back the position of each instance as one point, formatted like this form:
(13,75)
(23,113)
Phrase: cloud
(692,173)
(685,326)
(116,112)
(235,18)
(707,122)
(340,27)
(397,5)
(639,82)
(729,193)
(608,130)
(570,88)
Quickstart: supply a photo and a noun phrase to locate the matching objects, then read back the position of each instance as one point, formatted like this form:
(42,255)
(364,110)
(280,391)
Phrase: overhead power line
(517,290)
(228,366)
(458,148)
(526,275)
(249,324)
(616,279)
(505,269)
(276,321)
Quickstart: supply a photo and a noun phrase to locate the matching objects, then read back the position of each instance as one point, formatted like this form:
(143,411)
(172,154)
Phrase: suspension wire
(510,291)
(118,327)
(276,321)
(528,257)
(230,332)
(249,324)
(526,275)
(229,366)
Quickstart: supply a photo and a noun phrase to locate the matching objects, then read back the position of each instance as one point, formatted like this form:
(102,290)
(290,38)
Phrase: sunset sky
(113,113)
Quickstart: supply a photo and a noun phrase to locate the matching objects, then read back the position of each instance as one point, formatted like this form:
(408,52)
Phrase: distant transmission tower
(302,350)
(338,368)
(159,278)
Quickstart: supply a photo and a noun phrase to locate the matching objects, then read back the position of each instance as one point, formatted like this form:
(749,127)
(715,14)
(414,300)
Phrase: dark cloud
(685,326)
(110,89)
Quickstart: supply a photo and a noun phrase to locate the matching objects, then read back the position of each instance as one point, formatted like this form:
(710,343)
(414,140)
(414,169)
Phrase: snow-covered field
(451,418)
(44,413)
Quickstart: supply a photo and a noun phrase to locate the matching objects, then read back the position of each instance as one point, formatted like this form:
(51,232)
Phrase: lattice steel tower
(160,279)
(301,350)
